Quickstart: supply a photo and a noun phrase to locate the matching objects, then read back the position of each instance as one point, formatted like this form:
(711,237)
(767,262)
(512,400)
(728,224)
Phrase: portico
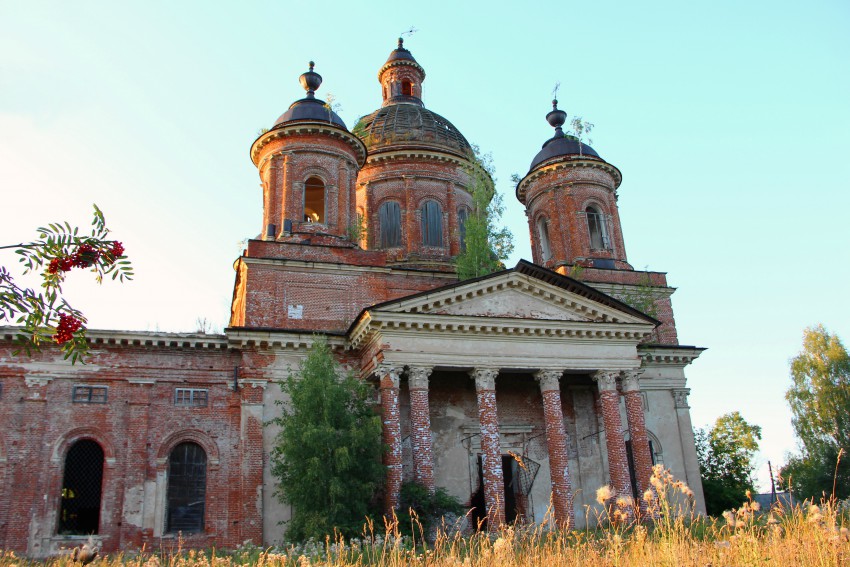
(531,361)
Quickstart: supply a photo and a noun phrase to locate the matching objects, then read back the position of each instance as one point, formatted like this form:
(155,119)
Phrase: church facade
(520,392)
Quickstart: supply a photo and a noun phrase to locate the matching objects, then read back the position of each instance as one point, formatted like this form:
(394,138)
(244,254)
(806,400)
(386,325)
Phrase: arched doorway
(82,485)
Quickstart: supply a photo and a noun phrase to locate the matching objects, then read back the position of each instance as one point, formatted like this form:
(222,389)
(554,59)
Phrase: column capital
(548,379)
(606,379)
(390,371)
(680,398)
(417,377)
(485,378)
(631,380)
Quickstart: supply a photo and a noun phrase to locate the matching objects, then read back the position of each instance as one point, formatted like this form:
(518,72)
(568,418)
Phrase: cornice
(148,339)
(565,162)
(672,355)
(417,153)
(300,128)
(397,270)
(463,325)
(274,339)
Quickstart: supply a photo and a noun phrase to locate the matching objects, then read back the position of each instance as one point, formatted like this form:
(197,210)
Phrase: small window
(407,88)
(543,234)
(89,395)
(187,487)
(389,221)
(79,511)
(598,231)
(190,397)
(432,224)
(314,200)
(462,216)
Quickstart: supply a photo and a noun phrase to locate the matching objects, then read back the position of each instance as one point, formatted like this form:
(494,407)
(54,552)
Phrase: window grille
(389,220)
(89,395)
(190,397)
(187,485)
(432,224)
(79,512)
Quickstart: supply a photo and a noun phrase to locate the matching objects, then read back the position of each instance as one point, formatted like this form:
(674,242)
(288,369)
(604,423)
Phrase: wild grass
(661,530)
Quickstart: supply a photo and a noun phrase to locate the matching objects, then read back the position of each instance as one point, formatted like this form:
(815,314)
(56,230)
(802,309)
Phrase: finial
(556,119)
(401,43)
(311,81)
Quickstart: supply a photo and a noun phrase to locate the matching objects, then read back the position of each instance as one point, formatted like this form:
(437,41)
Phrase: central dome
(404,125)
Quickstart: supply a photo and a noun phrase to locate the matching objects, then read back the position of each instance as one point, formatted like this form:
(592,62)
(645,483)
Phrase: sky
(730,122)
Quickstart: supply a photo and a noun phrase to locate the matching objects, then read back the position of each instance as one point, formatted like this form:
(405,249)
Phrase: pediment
(516,295)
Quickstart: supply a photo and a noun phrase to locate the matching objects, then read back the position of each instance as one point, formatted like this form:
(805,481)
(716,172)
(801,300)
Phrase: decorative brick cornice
(416,153)
(549,379)
(300,128)
(606,379)
(417,377)
(485,378)
(567,162)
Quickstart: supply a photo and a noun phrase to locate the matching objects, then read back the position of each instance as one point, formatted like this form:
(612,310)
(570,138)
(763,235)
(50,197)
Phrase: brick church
(528,387)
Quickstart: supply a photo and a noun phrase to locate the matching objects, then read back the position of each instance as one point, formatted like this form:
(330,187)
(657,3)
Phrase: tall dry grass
(661,530)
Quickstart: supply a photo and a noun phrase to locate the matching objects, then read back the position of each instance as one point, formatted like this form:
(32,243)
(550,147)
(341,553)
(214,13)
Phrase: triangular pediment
(515,294)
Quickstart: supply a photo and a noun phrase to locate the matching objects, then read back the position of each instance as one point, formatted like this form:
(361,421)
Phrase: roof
(562,146)
(405,125)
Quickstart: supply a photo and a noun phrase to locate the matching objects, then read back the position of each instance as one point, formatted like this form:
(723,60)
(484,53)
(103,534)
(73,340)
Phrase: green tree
(486,246)
(726,465)
(44,315)
(819,397)
(327,456)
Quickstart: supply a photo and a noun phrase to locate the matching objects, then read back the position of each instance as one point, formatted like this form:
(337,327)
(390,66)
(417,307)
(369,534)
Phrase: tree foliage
(819,397)
(486,246)
(726,465)
(43,314)
(327,456)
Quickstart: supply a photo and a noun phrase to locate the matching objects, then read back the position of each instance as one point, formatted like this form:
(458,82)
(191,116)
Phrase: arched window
(543,235)
(432,224)
(82,482)
(462,216)
(389,221)
(407,88)
(314,200)
(187,486)
(597,229)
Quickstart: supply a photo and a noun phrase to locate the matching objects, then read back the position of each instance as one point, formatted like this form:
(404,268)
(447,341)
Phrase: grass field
(662,530)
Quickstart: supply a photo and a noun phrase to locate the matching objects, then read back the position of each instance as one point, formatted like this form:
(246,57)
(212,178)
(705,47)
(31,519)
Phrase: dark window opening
(462,216)
(314,200)
(407,88)
(79,512)
(187,486)
(598,231)
(432,224)
(389,221)
(631,460)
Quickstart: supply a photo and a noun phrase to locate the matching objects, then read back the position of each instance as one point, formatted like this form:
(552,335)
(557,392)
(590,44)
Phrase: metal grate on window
(79,511)
(187,484)
(190,397)
(432,224)
(89,395)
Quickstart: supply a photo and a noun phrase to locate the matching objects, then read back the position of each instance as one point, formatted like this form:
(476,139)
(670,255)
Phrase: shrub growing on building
(327,456)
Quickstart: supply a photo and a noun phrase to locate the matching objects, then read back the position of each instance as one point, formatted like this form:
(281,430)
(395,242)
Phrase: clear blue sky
(729,120)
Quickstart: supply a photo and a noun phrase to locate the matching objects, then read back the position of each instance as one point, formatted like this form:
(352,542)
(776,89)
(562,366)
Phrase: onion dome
(561,144)
(310,108)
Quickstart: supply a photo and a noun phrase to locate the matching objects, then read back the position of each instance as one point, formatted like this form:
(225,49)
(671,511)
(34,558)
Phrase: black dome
(562,146)
(404,125)
(310,109)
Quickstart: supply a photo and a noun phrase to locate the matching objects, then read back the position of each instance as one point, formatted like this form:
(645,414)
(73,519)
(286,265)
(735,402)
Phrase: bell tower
(401,78)
(308,164)
(570,198)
